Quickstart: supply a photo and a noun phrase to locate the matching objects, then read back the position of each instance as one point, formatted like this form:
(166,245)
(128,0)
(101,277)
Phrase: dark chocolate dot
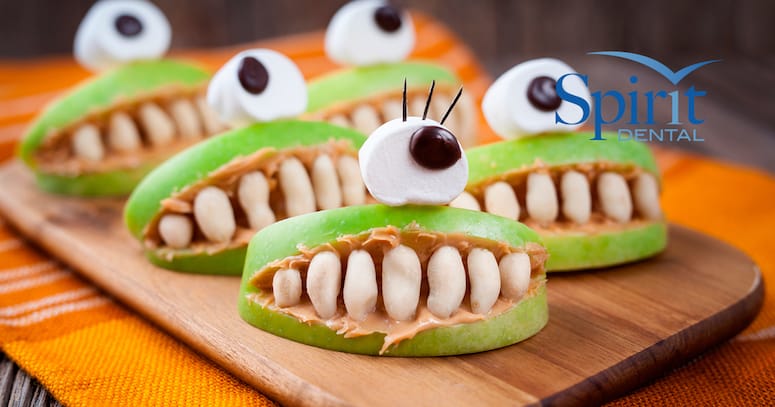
(542,93)
(253,76)
(388,18)
(434,147)
(128,25)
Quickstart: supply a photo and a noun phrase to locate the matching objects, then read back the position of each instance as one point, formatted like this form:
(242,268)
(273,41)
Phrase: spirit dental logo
(675,97)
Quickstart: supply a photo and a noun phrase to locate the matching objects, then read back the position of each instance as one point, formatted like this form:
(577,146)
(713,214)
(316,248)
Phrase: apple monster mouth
(568,197)
(224,209)
(594,203)
(430,268)
(129,132)
(364,97)
(367,113)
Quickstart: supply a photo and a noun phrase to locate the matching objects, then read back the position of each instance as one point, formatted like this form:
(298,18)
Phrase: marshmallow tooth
(253,194)
(646,193)
(614,196)
(576,197)
(416,106)
(500,199)
(515,275)
(465,201)
(353,190)
(392,109)
(541,198)
(123,135)
(465,121)
(286,287)
(214,214)
(87,144)
(454,121)
(296,187)
(176,230)
(365,119)
(158,127)
(324,277)
(447,281)
(485,280)
(326,183)
(186,119)
(401,279)
(439,106)
(360,285)
(210,121)
(339,120)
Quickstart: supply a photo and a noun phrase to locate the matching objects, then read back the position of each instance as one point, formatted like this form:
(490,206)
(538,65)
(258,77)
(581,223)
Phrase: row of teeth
(402,276)
(327,185)
(366,118)
(151,124)
(615,195)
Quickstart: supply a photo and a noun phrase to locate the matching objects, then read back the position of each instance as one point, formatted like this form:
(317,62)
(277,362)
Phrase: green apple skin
(103,184)
(121,83)
(347,85)
(569,251)
(283,238)
(576,250)
(198,161)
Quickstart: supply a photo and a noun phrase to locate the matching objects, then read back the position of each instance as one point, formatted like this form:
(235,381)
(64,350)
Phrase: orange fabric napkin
(88,350)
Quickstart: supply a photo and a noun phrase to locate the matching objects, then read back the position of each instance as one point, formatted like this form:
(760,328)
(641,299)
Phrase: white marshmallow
(394,178)
(285,95)
(354,38)
(509,112)
(99,45)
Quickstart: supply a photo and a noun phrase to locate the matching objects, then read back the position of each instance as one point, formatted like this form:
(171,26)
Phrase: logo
(627,106)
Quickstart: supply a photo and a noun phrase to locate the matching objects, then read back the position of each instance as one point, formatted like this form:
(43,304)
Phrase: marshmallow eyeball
(523,101)
(115,32)
(369,32)
(257,85)
(413,162)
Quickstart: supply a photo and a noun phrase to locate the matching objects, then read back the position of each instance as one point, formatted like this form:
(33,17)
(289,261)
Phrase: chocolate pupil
(434,147)
(253,76)
(388,18)
(128,25)
(542,93)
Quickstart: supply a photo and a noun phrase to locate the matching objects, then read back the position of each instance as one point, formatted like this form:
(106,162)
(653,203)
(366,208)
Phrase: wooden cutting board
(609,330)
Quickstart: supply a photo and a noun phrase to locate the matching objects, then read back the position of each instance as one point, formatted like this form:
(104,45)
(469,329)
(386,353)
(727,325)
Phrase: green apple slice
(619,182)
(365,97)
(195,241)
(376,229)
(107,133)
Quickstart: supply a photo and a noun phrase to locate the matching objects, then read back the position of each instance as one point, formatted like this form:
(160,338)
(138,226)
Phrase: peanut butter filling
(367,114)
(267,161)
(645,209)
(377,242)
(59,153)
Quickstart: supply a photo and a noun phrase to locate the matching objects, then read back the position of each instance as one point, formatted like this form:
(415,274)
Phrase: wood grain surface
(609,330)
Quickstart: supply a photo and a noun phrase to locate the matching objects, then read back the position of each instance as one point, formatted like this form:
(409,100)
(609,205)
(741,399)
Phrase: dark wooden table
(739,127)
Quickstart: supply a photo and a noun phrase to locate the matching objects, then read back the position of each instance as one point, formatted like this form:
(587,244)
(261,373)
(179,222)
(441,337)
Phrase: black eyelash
(404,99)
(428,102)
(459,92)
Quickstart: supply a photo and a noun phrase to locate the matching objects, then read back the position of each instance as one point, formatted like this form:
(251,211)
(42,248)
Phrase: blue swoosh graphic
(673,77)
